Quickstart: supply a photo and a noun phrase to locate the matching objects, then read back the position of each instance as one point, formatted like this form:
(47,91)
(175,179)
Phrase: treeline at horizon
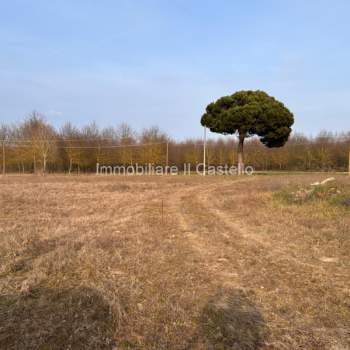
(35,146)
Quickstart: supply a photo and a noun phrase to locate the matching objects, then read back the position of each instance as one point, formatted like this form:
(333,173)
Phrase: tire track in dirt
(234,257)
(250,237)
(227,247)
(211,253)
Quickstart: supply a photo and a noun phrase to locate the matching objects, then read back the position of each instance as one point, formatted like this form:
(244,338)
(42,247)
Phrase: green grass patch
(332,194)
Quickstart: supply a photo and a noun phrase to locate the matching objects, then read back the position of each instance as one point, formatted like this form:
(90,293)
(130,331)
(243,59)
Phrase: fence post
(3,158)
(204,149)
(167,156)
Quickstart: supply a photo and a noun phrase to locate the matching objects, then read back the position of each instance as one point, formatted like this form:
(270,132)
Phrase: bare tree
(71,139)
(153,145)
(4,138)
(127,137)
(42,137)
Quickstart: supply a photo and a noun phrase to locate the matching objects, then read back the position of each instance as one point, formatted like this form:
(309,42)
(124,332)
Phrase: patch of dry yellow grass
(170,263)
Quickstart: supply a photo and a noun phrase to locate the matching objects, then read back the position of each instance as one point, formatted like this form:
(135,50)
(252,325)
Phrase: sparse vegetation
(331,194)
(91,263)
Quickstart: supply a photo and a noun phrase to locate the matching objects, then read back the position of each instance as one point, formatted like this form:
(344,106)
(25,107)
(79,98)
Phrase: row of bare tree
(34,146)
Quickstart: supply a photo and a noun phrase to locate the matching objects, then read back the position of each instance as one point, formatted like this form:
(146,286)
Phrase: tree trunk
(3,158)
(240,170)
(70,166)
(44,163)
(34,164)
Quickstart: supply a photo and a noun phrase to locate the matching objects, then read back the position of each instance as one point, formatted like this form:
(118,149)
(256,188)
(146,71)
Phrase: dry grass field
(172,263)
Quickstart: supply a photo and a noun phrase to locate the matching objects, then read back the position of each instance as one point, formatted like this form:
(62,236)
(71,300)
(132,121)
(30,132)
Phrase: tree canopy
(250,113)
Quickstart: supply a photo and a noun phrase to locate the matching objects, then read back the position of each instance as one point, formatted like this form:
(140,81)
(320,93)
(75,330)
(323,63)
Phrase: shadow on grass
(52,319)
(231,321)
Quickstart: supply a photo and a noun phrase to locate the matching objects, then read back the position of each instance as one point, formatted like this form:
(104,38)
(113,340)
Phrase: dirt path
(194,226)
(237,256)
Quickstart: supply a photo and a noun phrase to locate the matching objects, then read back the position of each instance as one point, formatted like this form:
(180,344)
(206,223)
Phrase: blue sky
(161,62)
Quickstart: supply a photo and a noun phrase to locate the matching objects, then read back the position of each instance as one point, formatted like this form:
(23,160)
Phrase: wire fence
(67,155)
